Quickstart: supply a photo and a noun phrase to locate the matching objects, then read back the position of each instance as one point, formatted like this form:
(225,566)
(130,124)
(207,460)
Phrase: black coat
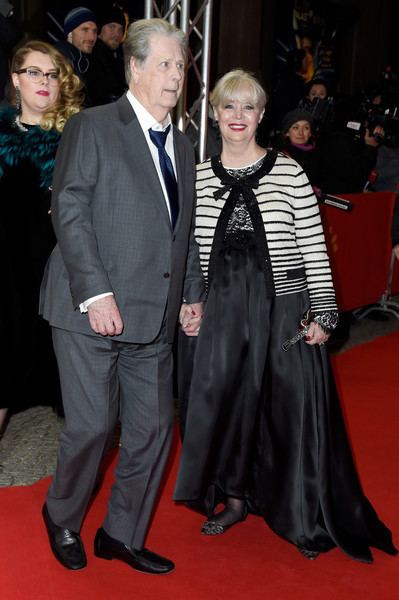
(28,372)
(308,159)
(345,163)
(106,76)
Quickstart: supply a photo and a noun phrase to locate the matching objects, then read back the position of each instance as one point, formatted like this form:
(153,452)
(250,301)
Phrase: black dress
(263,424)
(29,373)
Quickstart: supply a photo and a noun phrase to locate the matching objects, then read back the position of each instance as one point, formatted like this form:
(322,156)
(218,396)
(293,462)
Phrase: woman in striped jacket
(264,430)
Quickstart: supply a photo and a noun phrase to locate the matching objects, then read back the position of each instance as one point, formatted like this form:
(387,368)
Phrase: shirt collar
(145,118)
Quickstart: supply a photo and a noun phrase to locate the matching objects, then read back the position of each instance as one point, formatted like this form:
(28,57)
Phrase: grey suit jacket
(113,228)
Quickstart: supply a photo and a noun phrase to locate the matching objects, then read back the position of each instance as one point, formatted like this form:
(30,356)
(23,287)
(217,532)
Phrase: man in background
(105,77)
(80,30)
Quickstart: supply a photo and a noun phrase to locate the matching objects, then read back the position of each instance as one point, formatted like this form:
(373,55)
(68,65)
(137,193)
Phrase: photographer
(319,103)
(317,88)
(348,153)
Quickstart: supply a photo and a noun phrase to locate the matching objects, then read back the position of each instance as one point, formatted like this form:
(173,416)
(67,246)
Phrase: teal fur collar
(35,145)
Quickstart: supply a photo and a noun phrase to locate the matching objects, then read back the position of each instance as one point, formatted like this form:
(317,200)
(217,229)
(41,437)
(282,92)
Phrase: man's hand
(190,318)
(104,316)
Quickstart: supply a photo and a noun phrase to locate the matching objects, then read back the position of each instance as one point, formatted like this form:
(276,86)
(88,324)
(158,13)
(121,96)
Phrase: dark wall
(239,29)
(367,40)
(366,46)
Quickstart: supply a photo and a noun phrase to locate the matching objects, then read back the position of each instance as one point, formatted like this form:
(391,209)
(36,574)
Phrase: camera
(381,108)
(322,111)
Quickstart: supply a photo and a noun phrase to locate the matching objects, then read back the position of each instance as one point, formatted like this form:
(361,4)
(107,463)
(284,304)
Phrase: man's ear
(135,69)
(69,37)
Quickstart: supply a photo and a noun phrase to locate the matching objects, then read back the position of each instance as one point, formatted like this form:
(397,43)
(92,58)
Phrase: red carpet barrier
(360,248)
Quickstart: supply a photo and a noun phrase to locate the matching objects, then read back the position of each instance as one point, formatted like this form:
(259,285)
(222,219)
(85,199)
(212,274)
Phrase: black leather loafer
(142,560)
(66,545)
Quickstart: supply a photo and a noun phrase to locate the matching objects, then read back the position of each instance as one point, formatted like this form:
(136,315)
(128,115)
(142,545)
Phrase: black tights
(232,512)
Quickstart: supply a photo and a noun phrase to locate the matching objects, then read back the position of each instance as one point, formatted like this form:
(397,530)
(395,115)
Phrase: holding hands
(190,318)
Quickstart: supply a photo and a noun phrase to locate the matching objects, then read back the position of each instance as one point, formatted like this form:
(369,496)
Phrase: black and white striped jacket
(293,229)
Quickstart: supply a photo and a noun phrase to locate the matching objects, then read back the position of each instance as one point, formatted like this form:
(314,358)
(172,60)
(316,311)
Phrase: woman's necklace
(19,124)
(239,172)
(250,164)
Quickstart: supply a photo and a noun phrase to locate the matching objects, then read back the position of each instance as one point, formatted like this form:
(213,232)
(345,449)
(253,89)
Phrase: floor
(29,444)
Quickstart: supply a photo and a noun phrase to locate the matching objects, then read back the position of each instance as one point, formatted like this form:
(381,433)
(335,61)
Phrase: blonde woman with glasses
(46,93)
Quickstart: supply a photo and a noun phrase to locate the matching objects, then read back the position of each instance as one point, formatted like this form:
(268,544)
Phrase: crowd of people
(117,238)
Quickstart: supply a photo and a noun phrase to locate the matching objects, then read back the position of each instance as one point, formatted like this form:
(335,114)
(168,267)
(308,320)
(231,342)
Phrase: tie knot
(159,137)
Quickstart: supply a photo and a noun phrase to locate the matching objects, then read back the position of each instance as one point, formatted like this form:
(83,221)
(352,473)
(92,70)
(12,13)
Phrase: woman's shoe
(217,527)
(309,554)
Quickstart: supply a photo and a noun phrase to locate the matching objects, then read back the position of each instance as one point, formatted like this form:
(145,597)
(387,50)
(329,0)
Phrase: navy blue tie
(159,138)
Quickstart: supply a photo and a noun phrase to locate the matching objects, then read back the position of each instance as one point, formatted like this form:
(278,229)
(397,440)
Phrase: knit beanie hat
(298,114)
(76,17)
(5,8)
(111,15)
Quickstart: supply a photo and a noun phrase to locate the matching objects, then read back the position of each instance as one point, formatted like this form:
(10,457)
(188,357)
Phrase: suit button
(173,238)
(166,275)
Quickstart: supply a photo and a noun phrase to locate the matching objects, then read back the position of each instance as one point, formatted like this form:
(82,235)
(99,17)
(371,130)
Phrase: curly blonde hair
(70,97)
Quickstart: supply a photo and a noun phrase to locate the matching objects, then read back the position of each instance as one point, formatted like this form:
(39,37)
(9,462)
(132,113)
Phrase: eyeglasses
(37,76)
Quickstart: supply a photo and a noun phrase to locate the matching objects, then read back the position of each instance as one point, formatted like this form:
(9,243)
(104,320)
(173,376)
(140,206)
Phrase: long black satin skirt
(266,425)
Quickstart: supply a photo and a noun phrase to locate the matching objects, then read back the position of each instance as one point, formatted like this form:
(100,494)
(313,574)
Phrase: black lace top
(240,219)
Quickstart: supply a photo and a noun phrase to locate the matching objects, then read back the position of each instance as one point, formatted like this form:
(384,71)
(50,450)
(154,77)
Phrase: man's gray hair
(137,42)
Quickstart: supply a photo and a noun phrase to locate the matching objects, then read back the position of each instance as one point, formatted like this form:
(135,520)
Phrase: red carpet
(249,562)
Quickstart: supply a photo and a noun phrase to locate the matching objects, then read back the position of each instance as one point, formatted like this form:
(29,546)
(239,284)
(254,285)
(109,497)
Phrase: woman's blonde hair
(70,97)
(231,86)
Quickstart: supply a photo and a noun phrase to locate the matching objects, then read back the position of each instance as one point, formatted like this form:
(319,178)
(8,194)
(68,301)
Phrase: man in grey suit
(125,260)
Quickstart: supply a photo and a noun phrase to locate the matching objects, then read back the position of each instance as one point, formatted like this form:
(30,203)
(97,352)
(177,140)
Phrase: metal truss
(198,27)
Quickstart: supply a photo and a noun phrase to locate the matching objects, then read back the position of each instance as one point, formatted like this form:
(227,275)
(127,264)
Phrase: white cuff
(86,303)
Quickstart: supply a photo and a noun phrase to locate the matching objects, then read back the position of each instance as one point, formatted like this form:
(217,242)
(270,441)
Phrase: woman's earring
(18,104)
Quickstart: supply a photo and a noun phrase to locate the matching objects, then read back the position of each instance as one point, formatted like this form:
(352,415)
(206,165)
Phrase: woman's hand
(316,335)
(190,318)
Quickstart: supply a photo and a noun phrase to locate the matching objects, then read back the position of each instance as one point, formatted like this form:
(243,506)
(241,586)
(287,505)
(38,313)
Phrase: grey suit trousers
(101,377)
